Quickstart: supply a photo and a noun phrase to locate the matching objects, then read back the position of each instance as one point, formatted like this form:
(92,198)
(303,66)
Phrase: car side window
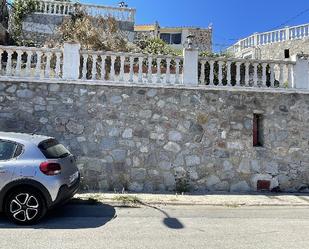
(18,151)
(7,150)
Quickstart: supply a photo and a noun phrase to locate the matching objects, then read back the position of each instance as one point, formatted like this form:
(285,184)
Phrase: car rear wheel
(25,206)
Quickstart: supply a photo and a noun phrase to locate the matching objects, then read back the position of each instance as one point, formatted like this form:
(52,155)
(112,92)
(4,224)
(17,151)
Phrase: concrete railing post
(301,72)
(71,61)
(190,66)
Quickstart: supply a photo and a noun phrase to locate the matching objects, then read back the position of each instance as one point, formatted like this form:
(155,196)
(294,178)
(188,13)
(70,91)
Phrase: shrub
(20,9)
(156,46)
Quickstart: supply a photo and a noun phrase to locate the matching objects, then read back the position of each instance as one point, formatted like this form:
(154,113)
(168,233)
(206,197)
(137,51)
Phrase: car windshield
(53,149)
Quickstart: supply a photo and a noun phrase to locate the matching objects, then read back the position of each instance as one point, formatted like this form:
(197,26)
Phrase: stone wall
(275,51)
(161,139)
(42,27)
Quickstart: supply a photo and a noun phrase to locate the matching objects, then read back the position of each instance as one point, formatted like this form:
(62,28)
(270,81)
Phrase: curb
(227,205)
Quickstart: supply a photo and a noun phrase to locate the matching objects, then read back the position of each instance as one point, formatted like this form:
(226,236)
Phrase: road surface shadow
(77,214)
(170,222)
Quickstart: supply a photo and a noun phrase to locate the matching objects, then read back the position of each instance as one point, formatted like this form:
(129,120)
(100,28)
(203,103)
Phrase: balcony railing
(67,8)
(280,35)
(71,63)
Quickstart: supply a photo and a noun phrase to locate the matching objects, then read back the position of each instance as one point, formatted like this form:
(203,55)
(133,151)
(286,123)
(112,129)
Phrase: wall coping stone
(132,85)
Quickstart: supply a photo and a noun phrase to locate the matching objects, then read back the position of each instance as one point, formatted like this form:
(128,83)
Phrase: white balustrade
(67,8)
(132,68)
(264,38)
(245,73)
(30,62)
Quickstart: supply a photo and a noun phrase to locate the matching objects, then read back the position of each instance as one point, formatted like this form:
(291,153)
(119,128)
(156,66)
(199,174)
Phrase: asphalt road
(81,226)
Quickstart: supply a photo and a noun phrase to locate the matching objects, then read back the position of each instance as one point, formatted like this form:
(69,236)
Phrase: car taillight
(50,168)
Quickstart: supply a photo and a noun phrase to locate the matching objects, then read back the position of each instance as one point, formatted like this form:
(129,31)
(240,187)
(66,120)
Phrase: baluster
(122,60)
(85,62)
(60,9)
(112,73)
(50,7)
(9,63)
(55,8)
(247,75)
(28,63)
(18,64)
(70,9)
(168,70)
(103,69)
(238,76)
(177,71)
(131,69)
(290,76)
(255,75)
(159,70)
(149,69)
(264,77)
(45,7)
(272,75)
(228,73)
(40,7)
(140,69)
(94,67)
(220,76)
(47,68)
(1,52)
(281,77)
(202,77)
(211,73)
(58,64)
(38,64)
(65,9)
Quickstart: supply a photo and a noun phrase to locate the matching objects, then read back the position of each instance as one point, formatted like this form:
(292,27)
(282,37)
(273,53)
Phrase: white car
(36,174)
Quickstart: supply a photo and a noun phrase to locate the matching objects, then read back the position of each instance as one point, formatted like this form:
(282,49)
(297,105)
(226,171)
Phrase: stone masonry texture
(275,51)
(42,27)
(147,139)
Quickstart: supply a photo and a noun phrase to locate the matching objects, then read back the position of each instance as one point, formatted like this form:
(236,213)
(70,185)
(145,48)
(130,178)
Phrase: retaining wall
(150,139)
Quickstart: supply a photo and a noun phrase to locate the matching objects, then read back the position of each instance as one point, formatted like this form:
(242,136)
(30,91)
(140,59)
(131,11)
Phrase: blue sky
(231,19)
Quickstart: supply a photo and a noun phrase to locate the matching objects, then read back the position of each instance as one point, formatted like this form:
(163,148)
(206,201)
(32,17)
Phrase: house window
(166,38)
(171,38)
(257,130)
(176,38)
(287,53)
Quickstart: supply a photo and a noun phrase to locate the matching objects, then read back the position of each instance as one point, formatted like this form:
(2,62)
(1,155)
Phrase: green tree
(156,46)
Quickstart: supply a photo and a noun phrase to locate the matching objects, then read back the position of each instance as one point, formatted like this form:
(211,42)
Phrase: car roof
(23,138)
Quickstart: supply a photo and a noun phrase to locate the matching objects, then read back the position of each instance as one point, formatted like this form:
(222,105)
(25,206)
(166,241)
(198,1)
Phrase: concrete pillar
(301,72)
(71,61)
(190,67)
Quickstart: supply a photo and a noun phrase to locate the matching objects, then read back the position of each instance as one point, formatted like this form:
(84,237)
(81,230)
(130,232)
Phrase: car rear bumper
(66,193)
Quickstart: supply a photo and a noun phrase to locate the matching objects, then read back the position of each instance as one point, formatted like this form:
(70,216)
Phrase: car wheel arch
(10,187)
